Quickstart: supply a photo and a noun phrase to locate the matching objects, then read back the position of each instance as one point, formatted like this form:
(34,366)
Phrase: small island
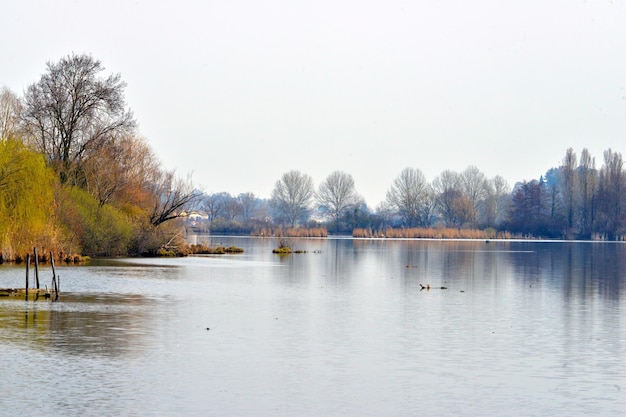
(284,248)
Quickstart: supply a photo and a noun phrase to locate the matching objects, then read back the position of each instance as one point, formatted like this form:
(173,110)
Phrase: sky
(237,92)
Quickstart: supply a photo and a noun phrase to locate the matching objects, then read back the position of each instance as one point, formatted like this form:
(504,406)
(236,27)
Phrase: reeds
(291,232)
(430,233)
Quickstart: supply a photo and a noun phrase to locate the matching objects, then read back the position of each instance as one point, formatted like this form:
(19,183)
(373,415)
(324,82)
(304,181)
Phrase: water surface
(522,329)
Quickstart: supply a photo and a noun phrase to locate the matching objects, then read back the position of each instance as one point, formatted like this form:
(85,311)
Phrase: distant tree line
(575,200)
(572,201)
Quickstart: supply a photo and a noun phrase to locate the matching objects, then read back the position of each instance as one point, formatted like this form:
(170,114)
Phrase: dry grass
(431,233)
(292,232)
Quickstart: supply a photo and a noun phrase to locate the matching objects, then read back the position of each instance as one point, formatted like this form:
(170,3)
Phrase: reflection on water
(89,324)
(341,330)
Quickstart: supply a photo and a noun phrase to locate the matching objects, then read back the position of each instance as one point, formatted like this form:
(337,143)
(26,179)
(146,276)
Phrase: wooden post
(36,267)
(27,264)
(55,286)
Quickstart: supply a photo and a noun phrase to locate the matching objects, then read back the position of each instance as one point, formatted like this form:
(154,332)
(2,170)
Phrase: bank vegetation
(75,175)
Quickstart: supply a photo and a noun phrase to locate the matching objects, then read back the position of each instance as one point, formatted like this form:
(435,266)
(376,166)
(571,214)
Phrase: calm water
(523,329)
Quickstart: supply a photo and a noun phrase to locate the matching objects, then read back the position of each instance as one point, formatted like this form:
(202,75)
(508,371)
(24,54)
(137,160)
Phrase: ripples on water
(523,328)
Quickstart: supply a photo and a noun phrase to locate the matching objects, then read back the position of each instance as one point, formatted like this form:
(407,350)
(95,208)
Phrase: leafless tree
(408,195)
(587,179)
(214,205)
(384,212)
(292,196)
(447,187)
(117,172)
(611,186)
(502,196)
(72,109)
(248,204)
(494,206)
(473,182)
(568,172)
(171,196)
(336,194)
(232,208)
(10,112)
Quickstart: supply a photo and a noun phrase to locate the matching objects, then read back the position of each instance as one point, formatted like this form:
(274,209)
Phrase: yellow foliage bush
(26,201)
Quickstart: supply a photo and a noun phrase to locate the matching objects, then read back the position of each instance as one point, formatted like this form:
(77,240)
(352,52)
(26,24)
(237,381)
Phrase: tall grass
(431,233)
(291,232)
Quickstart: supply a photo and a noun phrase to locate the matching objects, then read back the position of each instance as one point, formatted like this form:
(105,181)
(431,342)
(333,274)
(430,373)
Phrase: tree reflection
(103,325)
(580,269)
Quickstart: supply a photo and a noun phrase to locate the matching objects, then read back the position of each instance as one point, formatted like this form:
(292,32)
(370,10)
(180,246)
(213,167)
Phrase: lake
(521,329)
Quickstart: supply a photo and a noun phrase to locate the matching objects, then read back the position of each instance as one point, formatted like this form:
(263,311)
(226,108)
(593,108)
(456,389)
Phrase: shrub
(283,247)
(93,229)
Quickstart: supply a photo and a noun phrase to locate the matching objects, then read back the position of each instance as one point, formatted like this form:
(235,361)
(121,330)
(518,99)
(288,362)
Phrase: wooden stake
(27,264)
(55,285)
(36,267)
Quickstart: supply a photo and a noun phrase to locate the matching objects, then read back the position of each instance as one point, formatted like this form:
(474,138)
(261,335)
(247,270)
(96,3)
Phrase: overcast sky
(239,92)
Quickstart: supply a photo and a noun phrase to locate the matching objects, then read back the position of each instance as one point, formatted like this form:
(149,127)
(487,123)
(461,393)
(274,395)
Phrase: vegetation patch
(76,259)
(199,249)
(284,248)
(234,249)
(291,232)
(431,233)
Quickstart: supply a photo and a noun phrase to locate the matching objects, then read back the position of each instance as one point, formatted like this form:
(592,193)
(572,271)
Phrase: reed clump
(292,232)
(284,248)
(430,233)
(199,249)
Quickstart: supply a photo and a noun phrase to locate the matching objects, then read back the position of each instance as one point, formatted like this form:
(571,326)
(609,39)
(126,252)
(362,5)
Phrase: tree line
(75,175)
(572,201)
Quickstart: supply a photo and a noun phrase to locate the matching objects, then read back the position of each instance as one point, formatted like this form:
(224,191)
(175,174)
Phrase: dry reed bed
(292,232)
(431,233)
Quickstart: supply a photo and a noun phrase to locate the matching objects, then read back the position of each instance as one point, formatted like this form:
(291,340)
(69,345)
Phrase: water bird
(427,287)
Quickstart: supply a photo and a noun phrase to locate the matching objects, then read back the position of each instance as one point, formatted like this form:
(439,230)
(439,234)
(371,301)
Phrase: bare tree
(502,198)
(232,208)
(473,183)
(336,194)
(117,172)
(611,185)
(248,204)
(292,196)
(530,208)
(72,109)
(214,205)
(587,179)
(494,204)
(384,212)
(447,188)
(568,171)
(171,196)
(10,112)
(408,195)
